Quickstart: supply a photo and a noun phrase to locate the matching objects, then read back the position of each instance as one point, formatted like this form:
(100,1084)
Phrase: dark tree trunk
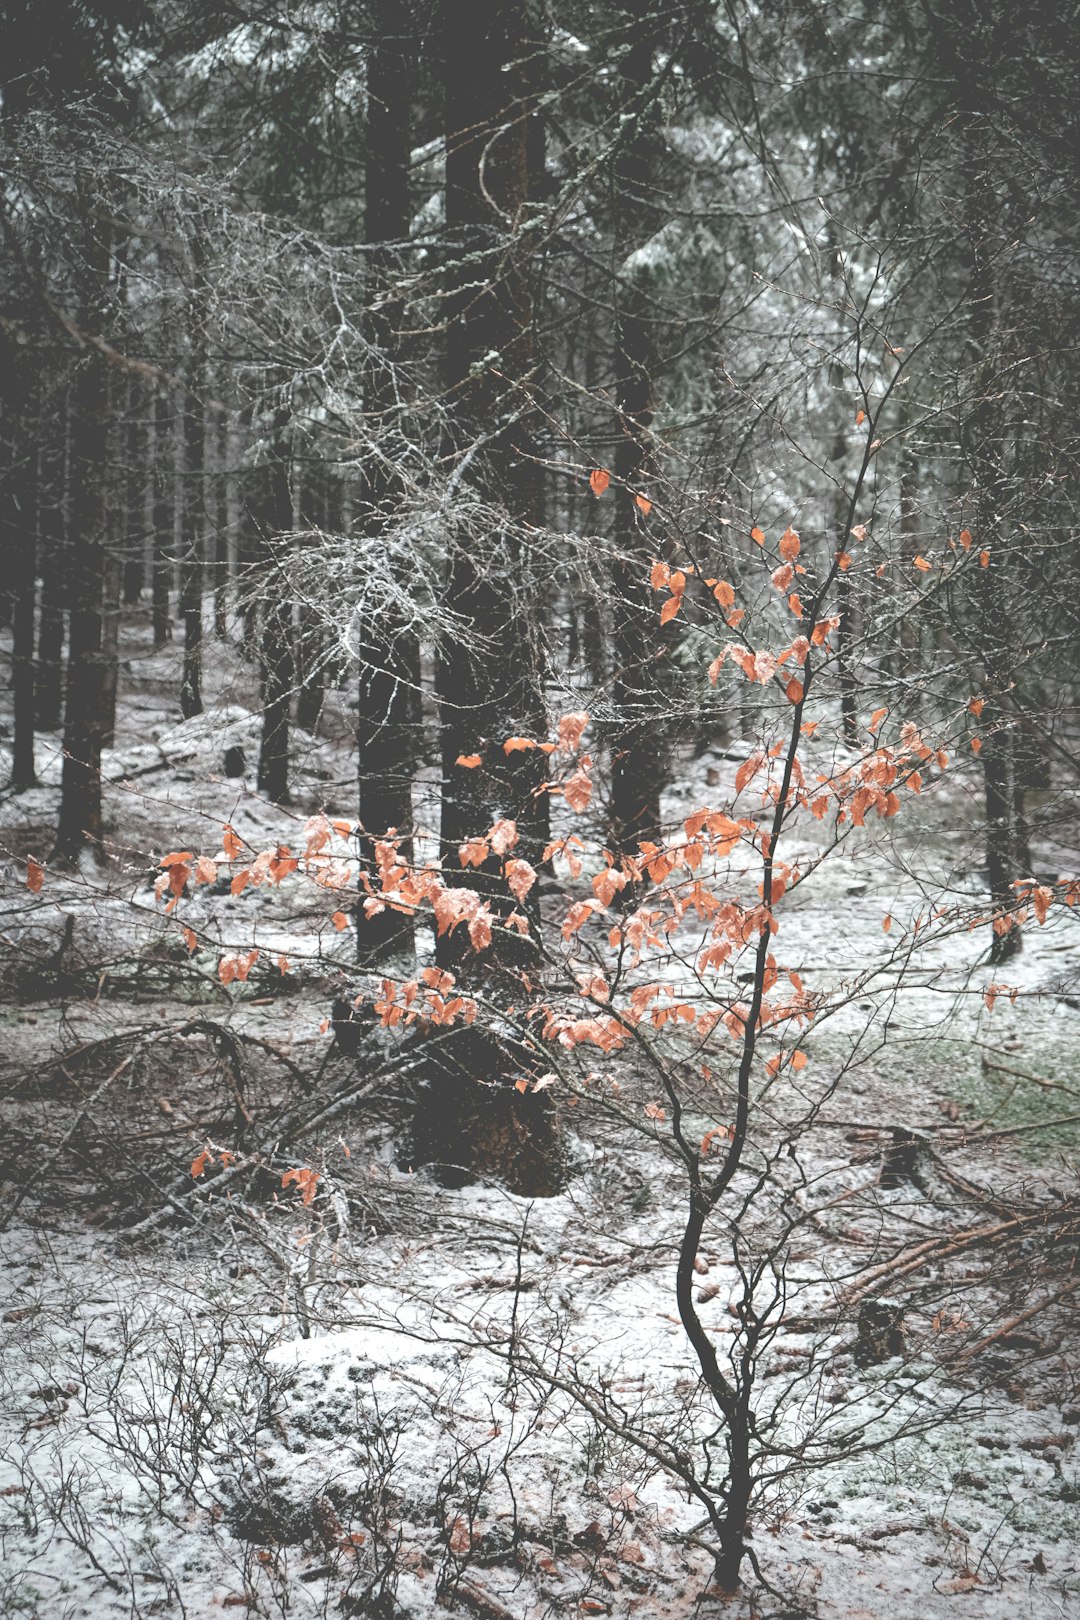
(389,652)
(162,519)
(640,744)
(221,529)
(52,534)
(80,824)
(135,496)
(273,518)
(111,589)
(192,516)
(983,443)
(311,639)
(472,1120)
(191,550)
(18,548)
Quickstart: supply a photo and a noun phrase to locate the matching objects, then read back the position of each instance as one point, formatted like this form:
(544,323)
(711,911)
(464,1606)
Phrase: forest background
(539,625)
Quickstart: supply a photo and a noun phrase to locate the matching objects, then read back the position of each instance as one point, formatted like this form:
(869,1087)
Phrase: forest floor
(401,1399)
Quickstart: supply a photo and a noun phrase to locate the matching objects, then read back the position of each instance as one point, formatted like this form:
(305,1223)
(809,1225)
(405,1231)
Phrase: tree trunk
(18,547)
(983,436)
(52,540)
(641,740)
(192,516)
(310,639)
(223,475)
(162,519)
(389,652)
(191,551)
(471,1119)
(111,590)
(135,496)
(80,824)
(273,518)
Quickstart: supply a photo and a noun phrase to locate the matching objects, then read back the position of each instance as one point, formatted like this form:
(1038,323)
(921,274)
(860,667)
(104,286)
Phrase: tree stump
(880,1332)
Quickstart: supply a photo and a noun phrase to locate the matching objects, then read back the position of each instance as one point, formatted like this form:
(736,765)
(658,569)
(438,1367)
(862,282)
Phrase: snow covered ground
(399,1398)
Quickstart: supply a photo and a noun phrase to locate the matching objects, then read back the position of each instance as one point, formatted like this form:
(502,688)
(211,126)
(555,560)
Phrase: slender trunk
(640,744)
(111,589)
(221,529)
(389,677)
(18,547)
(52,534)
(192,515)
(273,519)
(80,824)
(845,610)
(162,520)
(191,550)
(1007,857)
(489,681)
(310,640)
(135,496)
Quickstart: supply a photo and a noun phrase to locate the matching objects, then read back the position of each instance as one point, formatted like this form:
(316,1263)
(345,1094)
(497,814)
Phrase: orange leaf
(340,921)
(724,593)
(794,602)
(283,965)
(474,851)
(799,1060)
(517,745)
(789,544)
(922,565)
(965,539)
(876,718)
(306,1182)
(230,843)
(794,690)
(571,728)
(886,924)
(843,561)
(659,575)
(643,504)
(748,770)
(670,608)
(200,1162)
(976,745)
(503,835)
(599,479)
(984,559)
(578,791)
(469,761)
(35,875)
(990,996)
(860,418)
(758,535)
(190,938)
(520,877)
(976,706)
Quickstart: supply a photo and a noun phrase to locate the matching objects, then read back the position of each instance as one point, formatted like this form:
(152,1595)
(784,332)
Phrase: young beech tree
(668,965)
